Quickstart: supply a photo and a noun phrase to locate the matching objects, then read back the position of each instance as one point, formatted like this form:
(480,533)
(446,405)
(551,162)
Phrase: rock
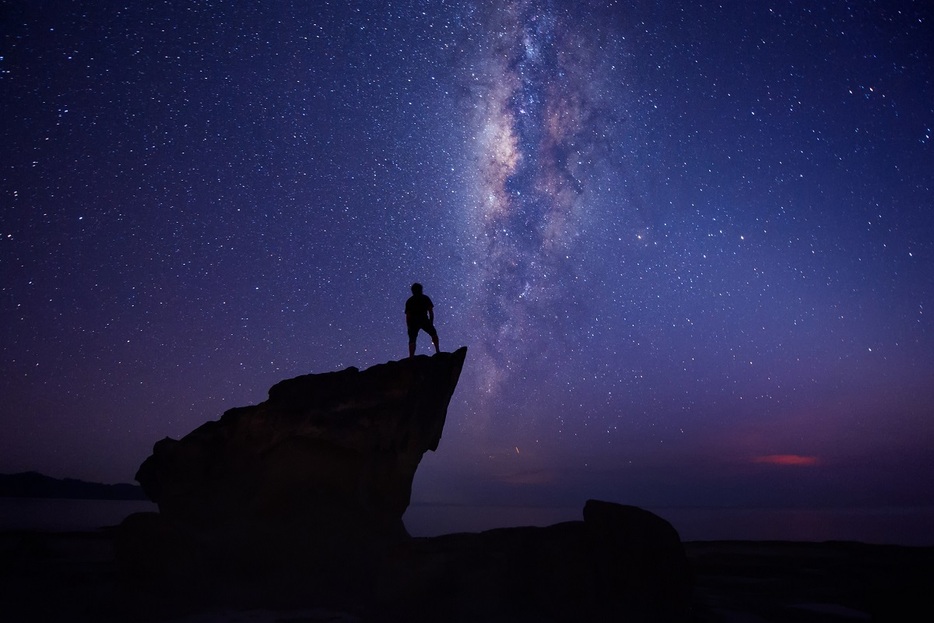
(638,558)
(314,481)
(298,502)
(619,563)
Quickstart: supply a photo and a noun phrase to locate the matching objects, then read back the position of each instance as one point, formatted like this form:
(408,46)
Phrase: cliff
(312,482)
(323,445)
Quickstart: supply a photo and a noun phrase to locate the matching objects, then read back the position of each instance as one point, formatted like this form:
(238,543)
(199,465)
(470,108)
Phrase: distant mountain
(35,485)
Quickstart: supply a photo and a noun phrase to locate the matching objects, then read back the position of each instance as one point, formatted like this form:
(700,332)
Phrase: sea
(912,526)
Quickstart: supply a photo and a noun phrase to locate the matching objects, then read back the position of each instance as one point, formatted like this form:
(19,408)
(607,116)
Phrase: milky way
(535,96)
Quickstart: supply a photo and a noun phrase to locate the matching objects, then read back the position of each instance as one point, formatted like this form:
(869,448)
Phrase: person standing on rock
(420,316)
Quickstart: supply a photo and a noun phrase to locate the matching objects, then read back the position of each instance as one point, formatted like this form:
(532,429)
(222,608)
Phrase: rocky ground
(819,582)
(74,577)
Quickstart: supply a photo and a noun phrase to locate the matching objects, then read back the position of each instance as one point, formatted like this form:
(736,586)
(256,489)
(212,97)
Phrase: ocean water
(895,526)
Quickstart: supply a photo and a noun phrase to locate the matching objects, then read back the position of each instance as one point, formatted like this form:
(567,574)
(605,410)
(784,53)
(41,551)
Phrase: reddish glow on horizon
(786,459)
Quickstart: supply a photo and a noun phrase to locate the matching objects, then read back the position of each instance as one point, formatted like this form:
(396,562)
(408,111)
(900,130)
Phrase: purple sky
(689,249)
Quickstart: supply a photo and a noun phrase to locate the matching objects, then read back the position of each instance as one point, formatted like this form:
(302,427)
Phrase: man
(420,315)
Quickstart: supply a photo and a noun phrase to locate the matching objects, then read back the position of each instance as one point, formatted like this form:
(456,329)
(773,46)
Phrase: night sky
(688,245)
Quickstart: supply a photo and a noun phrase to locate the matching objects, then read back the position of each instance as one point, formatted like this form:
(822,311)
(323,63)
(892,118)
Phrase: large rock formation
(299,501)
(342,445)
(314,480)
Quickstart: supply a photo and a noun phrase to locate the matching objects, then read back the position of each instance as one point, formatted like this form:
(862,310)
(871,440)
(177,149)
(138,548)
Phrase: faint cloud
(786,459)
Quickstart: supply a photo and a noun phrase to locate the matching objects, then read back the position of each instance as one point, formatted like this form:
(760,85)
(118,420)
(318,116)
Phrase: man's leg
(412,330)
(430,330)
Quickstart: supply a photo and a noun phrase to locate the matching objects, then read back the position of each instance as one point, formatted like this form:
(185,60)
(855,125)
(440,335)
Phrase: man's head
(416,288)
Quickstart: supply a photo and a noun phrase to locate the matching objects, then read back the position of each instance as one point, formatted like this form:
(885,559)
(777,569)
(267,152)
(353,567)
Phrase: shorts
(425,326)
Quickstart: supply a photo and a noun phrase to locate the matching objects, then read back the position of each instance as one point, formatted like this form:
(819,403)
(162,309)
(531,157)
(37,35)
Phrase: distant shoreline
(36,485)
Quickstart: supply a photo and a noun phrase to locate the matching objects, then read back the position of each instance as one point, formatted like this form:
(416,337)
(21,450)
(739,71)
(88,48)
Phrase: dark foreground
(74,577)
(811,582)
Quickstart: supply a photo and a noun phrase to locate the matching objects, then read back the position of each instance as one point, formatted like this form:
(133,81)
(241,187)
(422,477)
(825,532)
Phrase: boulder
(620,563)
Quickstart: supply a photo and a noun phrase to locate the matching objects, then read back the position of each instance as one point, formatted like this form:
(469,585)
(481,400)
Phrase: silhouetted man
(420,315)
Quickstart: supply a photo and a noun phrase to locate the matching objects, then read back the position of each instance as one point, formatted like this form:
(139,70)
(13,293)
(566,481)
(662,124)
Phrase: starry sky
(688,245)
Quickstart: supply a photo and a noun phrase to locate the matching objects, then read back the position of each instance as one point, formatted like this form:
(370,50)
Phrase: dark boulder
(620,563)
